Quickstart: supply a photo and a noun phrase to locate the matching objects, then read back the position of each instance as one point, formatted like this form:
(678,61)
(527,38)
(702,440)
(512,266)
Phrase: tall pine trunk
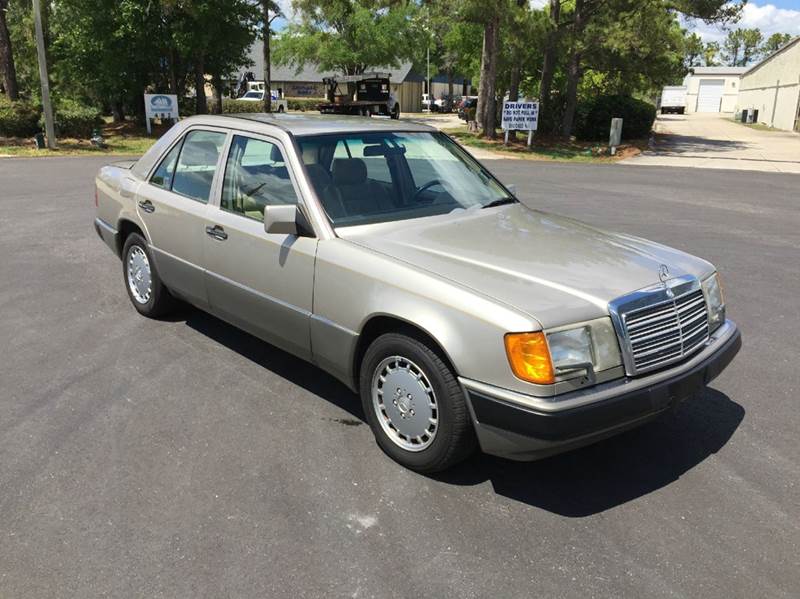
(450,88)
(549,59)
(573,79)
(216,81)
(513,88)
(200,85)
(265,6)
(574,70)
(118,111)
(173,71)
(7,56)
(487,108)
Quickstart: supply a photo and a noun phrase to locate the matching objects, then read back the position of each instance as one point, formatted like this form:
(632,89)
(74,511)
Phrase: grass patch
(120,139)
(546,148)
(758,126)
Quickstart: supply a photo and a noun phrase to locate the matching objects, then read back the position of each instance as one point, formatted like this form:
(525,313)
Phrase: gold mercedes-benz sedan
(385,254)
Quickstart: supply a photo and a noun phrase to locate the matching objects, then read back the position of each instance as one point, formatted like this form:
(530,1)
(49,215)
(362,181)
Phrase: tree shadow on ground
(576,484)
(692,144)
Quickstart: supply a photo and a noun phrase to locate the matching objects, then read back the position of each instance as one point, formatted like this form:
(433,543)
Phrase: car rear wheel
(145,289)
(414,404)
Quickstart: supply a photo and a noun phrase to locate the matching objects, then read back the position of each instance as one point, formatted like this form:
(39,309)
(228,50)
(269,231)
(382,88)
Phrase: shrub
(18,119)
(74,119)
(593,118)
(303,104)
(236,106)
(187,106)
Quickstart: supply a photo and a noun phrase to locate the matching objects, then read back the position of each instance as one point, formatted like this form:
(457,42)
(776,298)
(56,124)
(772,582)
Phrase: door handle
(147,206)
(217,232)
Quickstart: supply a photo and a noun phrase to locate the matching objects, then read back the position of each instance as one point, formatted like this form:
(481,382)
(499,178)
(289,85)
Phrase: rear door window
(162,177)
(197,163)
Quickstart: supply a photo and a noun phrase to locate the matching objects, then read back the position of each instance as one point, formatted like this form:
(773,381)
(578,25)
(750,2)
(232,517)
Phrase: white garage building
(713,89)
(772,88)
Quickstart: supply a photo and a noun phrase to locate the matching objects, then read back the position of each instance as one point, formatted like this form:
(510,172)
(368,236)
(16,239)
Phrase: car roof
(312,124)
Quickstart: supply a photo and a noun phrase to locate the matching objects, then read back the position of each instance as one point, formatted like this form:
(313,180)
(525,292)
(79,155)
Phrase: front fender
(354,284)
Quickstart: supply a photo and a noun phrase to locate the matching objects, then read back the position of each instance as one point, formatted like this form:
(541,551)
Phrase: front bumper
(521,427)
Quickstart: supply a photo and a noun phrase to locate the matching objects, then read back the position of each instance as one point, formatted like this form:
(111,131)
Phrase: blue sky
(795,4)
(770,16)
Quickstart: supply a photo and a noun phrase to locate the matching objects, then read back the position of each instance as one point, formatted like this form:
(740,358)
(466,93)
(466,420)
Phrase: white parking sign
(520,116)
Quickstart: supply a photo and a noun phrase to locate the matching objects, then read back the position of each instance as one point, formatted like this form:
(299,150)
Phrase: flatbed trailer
(372,96)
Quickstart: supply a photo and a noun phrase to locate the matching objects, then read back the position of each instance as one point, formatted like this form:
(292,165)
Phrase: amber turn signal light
(529,357)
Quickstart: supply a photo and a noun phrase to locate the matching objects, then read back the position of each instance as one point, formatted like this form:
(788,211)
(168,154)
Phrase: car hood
(553,268)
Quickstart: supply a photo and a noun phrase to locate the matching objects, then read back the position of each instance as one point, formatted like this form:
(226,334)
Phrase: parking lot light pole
(49,127)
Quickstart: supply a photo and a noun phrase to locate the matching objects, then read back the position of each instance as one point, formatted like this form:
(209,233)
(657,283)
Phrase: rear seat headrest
(349,171)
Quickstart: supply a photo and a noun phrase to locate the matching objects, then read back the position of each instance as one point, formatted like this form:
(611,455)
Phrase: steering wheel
(428,185)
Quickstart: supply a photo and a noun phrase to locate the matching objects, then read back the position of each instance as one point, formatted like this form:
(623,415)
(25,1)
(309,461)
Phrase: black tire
(280,108)
(396,112)
(160,302)
(454,438)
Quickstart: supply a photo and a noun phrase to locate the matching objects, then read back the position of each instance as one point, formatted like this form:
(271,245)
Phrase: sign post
(615,135)
(160,106)
(520,116)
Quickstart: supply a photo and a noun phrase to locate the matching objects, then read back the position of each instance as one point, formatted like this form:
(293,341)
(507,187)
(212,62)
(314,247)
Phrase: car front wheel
(414,404)
(145,289)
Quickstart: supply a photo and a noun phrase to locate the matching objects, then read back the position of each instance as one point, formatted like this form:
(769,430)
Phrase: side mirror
(512,188)
(281,219)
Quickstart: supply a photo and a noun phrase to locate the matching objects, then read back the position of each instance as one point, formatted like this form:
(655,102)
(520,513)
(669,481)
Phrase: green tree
(741,46)
(586,15)
(693,50)
(711,54)
(7,66)
(348,36)
(775,42)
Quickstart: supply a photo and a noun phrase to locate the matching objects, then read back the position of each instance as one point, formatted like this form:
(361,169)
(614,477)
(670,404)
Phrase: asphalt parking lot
(184,458)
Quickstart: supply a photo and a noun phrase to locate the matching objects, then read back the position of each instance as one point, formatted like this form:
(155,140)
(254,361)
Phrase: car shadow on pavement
(599,477)
(273,359)
(575,484)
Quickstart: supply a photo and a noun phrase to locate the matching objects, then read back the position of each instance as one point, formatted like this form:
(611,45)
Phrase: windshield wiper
(501,202)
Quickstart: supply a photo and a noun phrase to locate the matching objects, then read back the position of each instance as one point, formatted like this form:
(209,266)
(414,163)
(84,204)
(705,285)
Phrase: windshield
(256,95)
(364,178)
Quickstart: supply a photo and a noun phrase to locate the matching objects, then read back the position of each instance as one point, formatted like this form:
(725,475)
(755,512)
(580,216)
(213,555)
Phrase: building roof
(718,70)
(309,72)
(780,50)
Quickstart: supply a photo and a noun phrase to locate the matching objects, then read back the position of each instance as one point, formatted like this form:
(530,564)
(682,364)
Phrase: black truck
(365,95)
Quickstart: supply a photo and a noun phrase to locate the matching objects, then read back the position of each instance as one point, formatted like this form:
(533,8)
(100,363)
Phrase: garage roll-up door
(709,98)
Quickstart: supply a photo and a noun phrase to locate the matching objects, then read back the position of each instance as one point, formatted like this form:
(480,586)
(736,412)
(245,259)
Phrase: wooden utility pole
(49,126)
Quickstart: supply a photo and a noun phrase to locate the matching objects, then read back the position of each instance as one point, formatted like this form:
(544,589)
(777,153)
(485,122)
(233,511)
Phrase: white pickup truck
(673,99)
(278,104)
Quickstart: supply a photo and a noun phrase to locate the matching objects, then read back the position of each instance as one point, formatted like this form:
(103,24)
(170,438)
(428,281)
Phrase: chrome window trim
(649,297)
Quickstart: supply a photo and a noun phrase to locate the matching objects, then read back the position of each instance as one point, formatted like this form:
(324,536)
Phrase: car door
(258,281)
(172,204)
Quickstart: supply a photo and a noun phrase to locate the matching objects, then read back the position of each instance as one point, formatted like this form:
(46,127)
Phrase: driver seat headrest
(349,171)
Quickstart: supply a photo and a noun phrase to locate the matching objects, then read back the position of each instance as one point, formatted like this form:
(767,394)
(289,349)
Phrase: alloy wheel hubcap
(405,403)
(139,276)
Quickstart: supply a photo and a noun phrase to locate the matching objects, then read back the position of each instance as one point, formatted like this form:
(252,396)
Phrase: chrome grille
(656,330)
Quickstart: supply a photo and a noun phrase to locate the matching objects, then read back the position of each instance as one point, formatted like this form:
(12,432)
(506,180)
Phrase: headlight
(563,353)
(712,289)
